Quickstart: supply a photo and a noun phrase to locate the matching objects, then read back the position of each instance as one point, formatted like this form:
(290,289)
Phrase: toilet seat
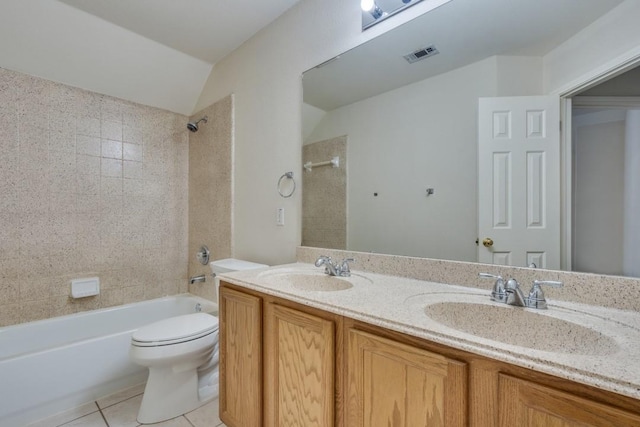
(175,330)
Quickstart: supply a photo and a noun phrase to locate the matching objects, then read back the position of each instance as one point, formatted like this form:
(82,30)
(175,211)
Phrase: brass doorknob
(487,242)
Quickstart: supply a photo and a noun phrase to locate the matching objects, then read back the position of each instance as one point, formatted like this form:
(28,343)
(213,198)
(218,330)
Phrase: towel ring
(290,176)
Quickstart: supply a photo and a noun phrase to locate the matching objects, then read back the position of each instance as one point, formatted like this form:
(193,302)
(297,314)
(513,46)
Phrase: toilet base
(169,394)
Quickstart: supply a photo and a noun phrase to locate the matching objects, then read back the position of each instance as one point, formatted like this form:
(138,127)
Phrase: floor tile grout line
(77,418)
(119,401)
(103,417)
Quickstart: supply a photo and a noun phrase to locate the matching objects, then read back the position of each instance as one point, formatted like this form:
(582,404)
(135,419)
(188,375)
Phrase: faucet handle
(536,296)
(498,293)
(345,271)
(552,283)
(322,259)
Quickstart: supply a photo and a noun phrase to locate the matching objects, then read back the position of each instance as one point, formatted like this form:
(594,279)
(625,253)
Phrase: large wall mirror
(391,142)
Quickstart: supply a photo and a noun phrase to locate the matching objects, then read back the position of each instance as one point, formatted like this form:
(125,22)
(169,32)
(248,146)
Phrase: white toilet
(182,356)
(175,350)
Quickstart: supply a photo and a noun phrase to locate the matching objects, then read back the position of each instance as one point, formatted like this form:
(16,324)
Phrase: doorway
(605,176)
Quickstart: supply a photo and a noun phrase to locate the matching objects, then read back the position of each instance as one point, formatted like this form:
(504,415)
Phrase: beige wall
(264,74)
(90,186)
(210,190)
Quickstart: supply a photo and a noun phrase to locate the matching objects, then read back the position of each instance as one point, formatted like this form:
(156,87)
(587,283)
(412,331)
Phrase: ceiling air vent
(421,54)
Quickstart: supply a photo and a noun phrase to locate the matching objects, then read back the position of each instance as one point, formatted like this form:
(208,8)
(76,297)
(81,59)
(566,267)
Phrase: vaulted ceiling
(155,52)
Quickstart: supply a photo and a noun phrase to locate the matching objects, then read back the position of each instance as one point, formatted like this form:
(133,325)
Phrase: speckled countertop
(590,344)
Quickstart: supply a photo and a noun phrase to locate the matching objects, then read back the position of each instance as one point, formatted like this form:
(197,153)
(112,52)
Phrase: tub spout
(196,279)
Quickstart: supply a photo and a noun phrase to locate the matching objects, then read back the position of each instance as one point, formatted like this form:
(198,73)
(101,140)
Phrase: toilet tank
(228,265)
(231,264)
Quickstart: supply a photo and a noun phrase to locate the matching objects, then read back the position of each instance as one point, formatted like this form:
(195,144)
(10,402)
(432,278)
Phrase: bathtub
(52,365)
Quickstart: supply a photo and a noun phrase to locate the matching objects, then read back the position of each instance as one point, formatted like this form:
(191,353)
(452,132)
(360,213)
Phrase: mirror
(376,11)
(406,134)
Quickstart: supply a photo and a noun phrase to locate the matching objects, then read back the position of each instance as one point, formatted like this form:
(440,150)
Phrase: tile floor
(120,410)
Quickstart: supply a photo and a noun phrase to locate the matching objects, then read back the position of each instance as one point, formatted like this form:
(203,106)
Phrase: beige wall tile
(67,196)
(111,167)
(132,151)
(324,199)
(89,145)
(111,149)
(88,126)
(210,190)
(35,310)
(111,130)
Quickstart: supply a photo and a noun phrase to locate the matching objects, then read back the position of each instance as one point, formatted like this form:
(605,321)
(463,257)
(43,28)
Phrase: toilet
(182,356)
(174,349)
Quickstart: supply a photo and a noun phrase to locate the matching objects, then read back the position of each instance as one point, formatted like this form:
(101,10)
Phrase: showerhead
(193,126)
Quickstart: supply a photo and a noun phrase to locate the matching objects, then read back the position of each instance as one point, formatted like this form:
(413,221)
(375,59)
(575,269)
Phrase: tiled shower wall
(324,199)
(210,190)
(89,186)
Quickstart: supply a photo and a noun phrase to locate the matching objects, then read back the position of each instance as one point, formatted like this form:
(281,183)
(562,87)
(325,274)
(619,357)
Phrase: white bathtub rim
(207,307)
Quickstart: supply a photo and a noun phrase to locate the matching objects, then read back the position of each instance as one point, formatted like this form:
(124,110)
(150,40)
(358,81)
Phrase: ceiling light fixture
(371,7)
(373,14)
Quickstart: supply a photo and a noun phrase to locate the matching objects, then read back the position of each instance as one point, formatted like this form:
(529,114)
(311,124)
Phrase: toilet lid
(175,330)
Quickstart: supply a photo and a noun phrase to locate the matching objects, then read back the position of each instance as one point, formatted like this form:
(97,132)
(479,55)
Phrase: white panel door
(519,181)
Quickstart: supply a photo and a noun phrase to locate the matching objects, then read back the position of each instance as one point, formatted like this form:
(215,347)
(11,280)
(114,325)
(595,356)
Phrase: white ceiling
(464,31)
(161,52)
(152,52)
(205,29)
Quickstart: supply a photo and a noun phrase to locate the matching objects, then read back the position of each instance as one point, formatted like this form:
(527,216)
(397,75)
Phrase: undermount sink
(311,280)
(520,327)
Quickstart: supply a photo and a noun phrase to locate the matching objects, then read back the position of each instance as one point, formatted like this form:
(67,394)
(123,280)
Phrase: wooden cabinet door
(526,404)
(396,385)
(299,368)
(240,358)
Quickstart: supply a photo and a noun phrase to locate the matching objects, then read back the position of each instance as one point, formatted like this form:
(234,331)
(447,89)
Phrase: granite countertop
(589,344)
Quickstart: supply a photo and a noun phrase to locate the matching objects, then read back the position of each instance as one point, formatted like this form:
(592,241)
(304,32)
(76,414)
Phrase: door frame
(598,75)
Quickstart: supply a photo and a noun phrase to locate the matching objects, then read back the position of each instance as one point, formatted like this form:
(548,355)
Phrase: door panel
(519,180)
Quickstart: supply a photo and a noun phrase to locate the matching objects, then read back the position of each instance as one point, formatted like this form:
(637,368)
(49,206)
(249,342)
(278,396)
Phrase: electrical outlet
(280,216)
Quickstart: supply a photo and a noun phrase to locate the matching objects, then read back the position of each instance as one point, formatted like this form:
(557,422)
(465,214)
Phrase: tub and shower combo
(52,365)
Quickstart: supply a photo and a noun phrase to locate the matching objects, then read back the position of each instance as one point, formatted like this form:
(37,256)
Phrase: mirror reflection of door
(519,181)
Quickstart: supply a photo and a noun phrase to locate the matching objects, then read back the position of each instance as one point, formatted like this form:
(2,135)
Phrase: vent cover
(421,54)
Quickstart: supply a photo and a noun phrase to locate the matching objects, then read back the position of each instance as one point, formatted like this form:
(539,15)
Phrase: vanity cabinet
(300,369)
(286,364)
(394,384)
(278,362)
(527,404)
(240,358)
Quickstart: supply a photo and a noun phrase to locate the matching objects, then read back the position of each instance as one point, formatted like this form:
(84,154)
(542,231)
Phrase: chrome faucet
(334,269)
(197,279)
(536,297)
(514,294)
(498,293)
(510,292)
